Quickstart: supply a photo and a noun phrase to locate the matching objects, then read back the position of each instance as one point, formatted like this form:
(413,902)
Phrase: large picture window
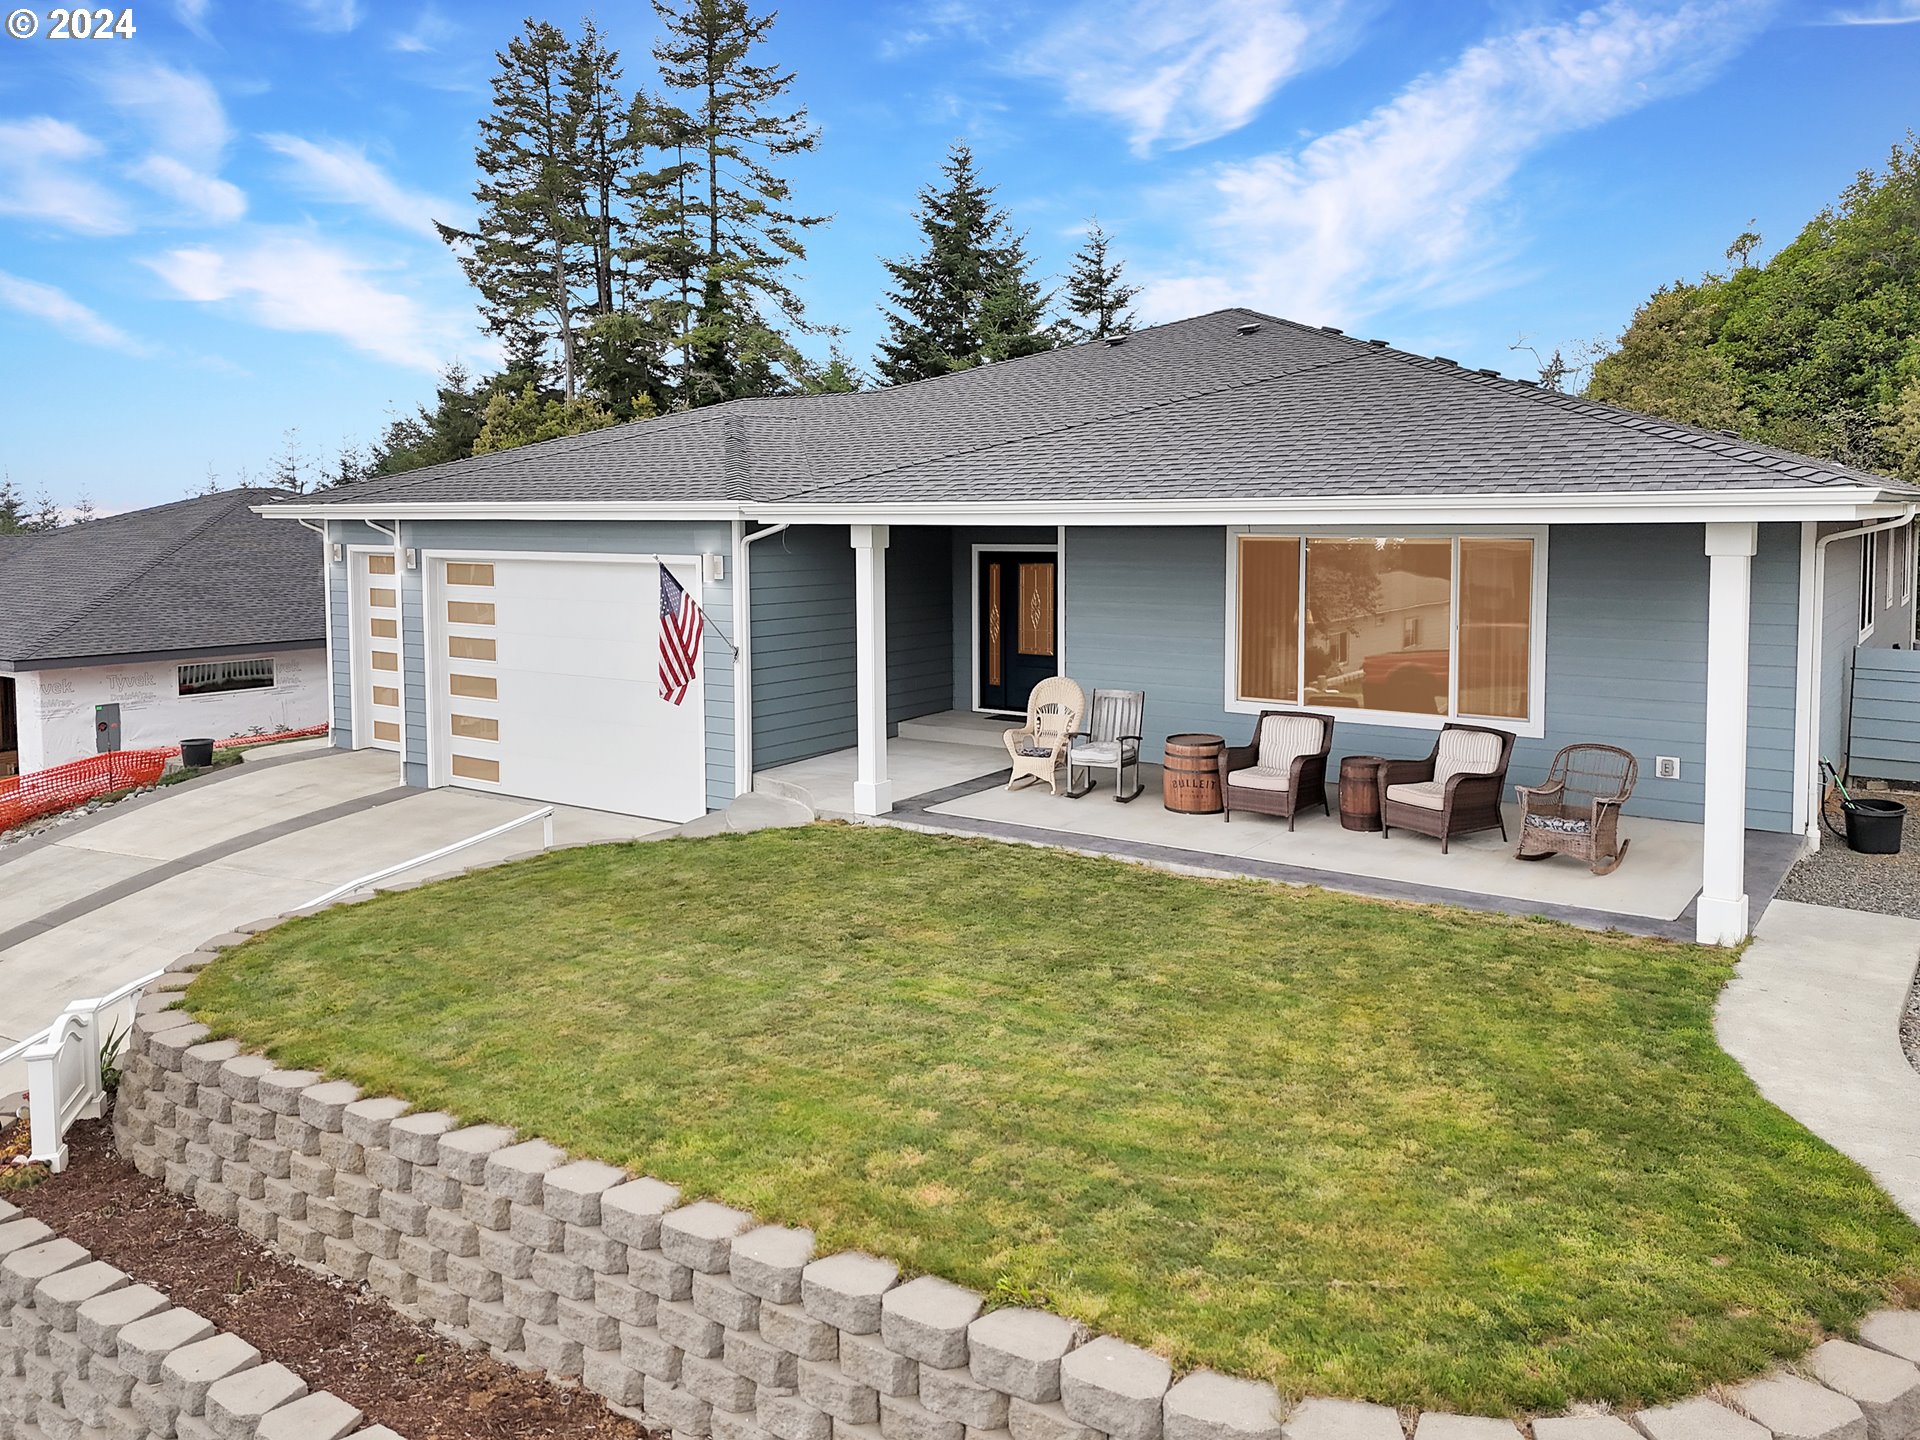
(1387,625)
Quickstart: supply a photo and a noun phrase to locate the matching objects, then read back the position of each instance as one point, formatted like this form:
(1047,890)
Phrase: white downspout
(1810,782)
(743,653)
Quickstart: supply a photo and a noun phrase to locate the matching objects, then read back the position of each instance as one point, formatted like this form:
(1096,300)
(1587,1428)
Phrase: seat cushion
(1033,751)
(1097,752)
(1427,794)
(1566,824)
(1465,752)
(1285,738)
(1259,777)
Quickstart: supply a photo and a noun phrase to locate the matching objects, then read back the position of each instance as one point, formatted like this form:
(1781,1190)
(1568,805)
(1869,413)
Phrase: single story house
(1232,513)
(197,618)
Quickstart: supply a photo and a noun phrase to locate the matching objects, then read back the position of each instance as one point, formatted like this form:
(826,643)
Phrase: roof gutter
(743,652)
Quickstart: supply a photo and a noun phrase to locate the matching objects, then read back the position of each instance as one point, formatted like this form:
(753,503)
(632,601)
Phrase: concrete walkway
(1813,1014)
(96,904)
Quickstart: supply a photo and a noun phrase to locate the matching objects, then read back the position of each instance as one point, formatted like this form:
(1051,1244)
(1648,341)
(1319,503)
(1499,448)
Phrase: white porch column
(872,790)
(1722,909)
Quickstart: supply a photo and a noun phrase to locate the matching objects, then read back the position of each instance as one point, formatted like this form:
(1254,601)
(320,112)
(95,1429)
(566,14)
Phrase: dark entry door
(1019,634)
(9,729)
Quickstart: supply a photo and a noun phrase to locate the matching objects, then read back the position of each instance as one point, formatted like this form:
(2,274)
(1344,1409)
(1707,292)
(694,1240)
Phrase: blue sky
(220,228)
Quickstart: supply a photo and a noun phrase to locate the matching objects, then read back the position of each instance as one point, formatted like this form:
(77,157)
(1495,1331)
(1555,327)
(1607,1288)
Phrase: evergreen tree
(514,420)
(83,509)
(1095,291)
(290,466)
(623,364)
(531,249)
(667,257)
(45,516)
(594,135)
(839,376)
(736,202)
(444,432)
(968,296)
(13,510)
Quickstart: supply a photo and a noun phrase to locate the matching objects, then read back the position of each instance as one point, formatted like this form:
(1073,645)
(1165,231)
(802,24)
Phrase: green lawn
(1413,1155)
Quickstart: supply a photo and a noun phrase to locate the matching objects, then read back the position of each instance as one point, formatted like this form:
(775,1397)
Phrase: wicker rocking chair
(1039,748)
(1577,810)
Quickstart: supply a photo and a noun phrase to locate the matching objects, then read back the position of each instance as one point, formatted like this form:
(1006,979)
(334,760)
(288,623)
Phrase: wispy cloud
(429,31)
(1889,12)
(288,280)
(1177,75)
(329,17)
(66,314)
(342,173)
(203,197)
(46,173)
(179,116)
(1398,205)
(193,15)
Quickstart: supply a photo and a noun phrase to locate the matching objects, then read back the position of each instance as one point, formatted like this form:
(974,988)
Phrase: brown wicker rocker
(1454,791)
(1577,810)
(1282,769)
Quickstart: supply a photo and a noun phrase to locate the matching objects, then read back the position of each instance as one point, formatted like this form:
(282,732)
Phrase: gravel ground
(1885,884)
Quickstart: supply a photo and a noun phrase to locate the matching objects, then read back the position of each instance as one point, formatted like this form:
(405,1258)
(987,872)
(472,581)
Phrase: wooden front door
(1019,638)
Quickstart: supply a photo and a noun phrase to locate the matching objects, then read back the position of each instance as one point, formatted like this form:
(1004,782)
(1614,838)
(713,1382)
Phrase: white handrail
(545,813)
(63,1070)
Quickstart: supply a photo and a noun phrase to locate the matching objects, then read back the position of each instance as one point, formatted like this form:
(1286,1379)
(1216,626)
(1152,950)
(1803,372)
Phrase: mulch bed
(398,1371)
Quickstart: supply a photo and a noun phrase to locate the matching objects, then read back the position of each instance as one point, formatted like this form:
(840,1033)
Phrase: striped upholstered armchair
(1454,791)
(1282,770)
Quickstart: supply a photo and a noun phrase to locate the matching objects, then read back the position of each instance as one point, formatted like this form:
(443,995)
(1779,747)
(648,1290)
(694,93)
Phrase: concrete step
(958,727)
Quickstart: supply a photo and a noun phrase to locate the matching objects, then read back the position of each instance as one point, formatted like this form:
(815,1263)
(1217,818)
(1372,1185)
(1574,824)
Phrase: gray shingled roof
(198,574)
(1191,410)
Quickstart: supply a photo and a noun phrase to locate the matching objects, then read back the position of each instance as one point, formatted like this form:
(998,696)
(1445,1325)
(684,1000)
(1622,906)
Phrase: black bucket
(1873,826)
(198,755)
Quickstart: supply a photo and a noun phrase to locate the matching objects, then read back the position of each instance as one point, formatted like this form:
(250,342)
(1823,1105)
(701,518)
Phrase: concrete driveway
(90,906)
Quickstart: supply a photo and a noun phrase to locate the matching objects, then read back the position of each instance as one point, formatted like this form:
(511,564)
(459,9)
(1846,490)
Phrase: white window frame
(179,678)
(1909,543)
(1534,726)
(1869,574)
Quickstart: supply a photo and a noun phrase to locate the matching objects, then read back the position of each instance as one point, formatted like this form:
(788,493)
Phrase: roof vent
(1114,339)
(1251,327)
(1485,371)
(1333,329)
(1448,360)
(1378,344)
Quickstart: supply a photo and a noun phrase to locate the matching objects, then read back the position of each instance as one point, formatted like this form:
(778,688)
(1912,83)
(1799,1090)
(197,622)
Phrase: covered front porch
(949,774)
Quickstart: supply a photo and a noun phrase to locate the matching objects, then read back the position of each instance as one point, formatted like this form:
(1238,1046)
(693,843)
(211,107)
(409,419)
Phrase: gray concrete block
(294,1133)
(189,1372)
(844,1290)
(747,1353)
(403,1213)
(387,1171)
(376,1238)
(434,1186)
(1797,1409)
(792,1328)
(463,1153)
(237,1404)
(169,1046)
(329,1217)
(1895,1331)
(767,1261)
(440,1301)
(144,1344)
(323,1106)
(310,1175)
(255,1219)
(1112,1386)
(347,1157)
(904,1418)
(605,1373)
(870,1361)
(714,1382)
(720,1300)
(730,1426)
(680,1410)
(519,1171)
(489,1212)
(825,1386)
(549,1350)
(625,1302)
(365,1122)
(504,1255)
(1437,1425)
(568,1278)
(59,1297)
(421,1258)
(472,1277)
(595,1249)
(99,1320)
(789,1418)
(533,1303)
(1317,1418)
(245,1181)
(1206,1406)
(300,1240)
(1697,1419)
(531,1225)
(586,1322)
(201,1063)
(1583,1427)
(494,1324)
(1885,1387)
(388,1278)
(19,1234)
(1019,1351)
(647,1350)
(23,1270)
(653,1272)
(344,1258)
(631,1213)
(687,1328)
(319,1416)
(280,1090)
(700,1235)
(447,1231)
(416,1138)
(952,1392)
(573,1190)
(926,1319)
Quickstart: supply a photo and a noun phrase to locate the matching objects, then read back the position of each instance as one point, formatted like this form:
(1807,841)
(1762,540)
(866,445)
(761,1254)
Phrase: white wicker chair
(1039,748)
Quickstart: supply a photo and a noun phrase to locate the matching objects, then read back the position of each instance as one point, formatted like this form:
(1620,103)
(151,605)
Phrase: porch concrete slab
(1813,1014)
(825,783)
(1658,880)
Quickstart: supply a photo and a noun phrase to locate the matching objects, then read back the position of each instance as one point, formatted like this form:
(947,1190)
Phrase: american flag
(679,639)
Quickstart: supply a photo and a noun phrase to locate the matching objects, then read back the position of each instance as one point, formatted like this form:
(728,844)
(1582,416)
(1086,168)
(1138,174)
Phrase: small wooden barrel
(1360,792)
(1190,776)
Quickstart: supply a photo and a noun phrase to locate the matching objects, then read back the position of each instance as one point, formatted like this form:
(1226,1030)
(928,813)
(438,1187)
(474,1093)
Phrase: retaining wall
(693,1318)
(86,1352)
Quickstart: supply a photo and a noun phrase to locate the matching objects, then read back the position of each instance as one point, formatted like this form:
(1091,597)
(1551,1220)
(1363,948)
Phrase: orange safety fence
(61,787)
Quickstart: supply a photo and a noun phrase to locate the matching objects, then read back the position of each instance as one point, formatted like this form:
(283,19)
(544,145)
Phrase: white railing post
(546,832)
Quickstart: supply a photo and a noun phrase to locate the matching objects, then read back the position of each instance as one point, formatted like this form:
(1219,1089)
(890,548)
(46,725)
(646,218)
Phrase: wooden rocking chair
(1577,810)
(1039,748)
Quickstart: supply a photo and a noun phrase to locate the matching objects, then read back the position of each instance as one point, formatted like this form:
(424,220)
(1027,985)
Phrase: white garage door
(546,681)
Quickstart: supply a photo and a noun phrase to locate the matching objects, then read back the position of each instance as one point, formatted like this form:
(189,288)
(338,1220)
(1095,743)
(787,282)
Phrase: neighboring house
(1231,513)
(197,618)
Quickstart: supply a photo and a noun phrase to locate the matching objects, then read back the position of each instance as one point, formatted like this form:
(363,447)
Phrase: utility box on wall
(106,728)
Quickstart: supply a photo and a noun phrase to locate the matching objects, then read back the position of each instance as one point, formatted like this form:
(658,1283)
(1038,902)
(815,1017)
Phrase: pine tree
(46,515)
(737,202)
(665,254)
(448,429)
(514,420)
(13,510)
(531,249)
(969,296)
(83,509)
(594,134)
(290,466)
(1095,291)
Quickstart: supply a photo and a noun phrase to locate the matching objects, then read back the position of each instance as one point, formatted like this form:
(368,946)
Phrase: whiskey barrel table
(1190,775)
(1360,791)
